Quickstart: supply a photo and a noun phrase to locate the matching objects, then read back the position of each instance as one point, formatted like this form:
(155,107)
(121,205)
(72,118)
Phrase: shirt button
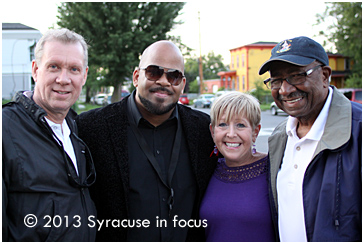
(295,166)
(298,148)
(157,151)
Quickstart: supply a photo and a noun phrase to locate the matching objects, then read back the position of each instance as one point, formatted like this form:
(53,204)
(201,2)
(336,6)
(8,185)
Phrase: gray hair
(236,103)
(62,35)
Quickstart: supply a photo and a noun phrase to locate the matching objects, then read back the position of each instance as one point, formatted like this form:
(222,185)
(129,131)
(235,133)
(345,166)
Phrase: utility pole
(200,60)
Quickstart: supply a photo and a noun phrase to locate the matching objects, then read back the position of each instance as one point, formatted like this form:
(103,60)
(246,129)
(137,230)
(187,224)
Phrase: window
(243,82)
(242,60)
(347,64)
(31,51)
(237,61)
(232,62)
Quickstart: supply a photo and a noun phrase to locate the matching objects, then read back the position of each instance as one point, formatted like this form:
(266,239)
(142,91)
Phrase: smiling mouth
(293,101)
(62,93)
(232,144)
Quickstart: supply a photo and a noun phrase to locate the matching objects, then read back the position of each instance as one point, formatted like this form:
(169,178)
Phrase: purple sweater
(236,204)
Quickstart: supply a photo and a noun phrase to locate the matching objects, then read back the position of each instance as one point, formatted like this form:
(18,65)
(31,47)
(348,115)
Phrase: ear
(136,77)
(34,70)
(256,132)
(326,72)
(85,76)
(211,131)
(184,84)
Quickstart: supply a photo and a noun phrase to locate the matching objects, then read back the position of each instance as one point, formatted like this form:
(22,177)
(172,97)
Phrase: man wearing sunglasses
(151,154)
(47,168)
(315,155)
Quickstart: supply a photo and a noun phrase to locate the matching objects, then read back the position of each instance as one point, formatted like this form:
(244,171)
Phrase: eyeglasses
(154,73)
(292,80)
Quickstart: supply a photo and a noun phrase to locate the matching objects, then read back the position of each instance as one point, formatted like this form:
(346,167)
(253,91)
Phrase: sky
(223,25)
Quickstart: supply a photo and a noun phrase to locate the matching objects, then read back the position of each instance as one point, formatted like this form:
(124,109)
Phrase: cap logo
(284,46)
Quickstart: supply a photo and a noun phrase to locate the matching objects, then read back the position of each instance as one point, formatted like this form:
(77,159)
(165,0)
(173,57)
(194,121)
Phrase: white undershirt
(297,156)
(62,131)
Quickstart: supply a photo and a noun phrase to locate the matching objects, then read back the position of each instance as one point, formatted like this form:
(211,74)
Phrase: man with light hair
(47,168)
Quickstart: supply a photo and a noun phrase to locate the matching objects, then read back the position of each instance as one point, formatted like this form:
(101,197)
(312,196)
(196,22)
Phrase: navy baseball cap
(299,51)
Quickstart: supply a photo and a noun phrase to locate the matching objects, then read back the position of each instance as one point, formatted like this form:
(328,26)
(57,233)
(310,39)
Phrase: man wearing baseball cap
(315,155)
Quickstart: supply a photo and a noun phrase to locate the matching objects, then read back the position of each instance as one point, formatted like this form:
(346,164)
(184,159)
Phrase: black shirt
(148,195)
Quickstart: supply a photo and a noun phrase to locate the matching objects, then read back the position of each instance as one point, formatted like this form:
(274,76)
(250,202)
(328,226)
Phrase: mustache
(292,95)
(163,89)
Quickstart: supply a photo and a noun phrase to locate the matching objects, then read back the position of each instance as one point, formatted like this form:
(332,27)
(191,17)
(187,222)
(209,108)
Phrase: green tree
(211,65)
(262,94)
(117,33)
(346,34)
(194,87)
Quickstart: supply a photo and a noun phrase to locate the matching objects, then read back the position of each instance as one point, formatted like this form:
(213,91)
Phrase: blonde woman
(236,203)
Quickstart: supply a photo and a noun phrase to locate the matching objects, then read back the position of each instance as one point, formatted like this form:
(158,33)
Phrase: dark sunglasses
(154,73)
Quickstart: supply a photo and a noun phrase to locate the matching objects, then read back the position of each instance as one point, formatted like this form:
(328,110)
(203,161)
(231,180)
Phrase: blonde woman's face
(234,138)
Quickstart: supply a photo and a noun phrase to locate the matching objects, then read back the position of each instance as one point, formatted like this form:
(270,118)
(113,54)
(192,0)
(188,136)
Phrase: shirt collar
(136,115)
(63,128)
(318,126)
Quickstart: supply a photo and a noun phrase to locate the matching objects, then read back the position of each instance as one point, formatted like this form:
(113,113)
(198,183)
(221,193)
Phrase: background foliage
(211,65)
(117,33)
(346,34)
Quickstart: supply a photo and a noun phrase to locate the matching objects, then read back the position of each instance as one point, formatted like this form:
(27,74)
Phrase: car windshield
(358,95)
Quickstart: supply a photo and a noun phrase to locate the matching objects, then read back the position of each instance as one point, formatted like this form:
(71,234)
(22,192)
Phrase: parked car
(274,110)
(219,94)
(183,99)
(204,100)
(107,100)
(353,94)
(98,99)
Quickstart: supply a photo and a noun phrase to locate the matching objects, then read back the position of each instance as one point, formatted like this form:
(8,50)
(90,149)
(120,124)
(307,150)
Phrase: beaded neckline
(241,173)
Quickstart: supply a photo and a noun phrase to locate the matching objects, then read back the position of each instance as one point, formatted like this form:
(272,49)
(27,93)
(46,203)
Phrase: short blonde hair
(236,103)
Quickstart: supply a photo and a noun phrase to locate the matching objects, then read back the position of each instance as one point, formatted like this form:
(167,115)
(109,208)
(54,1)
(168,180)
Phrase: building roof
(16,26)
(264,43)
(229,72)
(332,55)
(258,44)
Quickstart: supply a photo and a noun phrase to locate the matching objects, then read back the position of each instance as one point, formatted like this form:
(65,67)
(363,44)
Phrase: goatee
(157,109)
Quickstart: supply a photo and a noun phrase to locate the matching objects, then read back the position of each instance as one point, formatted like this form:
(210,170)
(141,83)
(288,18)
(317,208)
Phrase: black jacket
(105,132)
(35,179)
